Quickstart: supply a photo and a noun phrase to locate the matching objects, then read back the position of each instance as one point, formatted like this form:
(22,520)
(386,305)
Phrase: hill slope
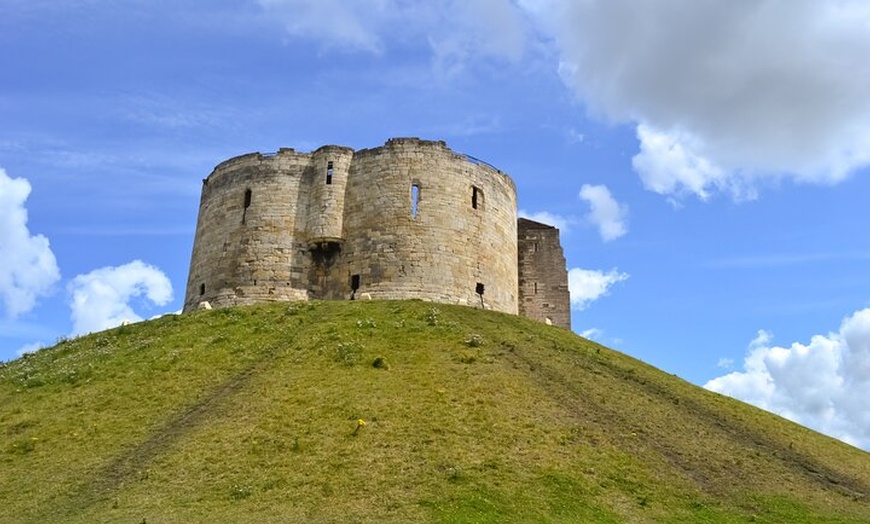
(252,415)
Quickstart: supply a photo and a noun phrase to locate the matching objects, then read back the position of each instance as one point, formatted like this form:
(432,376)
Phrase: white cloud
(725,363)
(347,24)
(608,215)
(588,285)
(28,268)
(545,217)
(725,94)
(101,299)
(592,333)
(824,384)
(456,31)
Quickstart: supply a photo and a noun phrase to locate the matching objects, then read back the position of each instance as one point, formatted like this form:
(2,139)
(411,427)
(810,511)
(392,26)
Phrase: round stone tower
(410,219)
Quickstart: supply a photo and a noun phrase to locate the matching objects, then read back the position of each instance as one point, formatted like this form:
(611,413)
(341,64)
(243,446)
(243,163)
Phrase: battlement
(409,219)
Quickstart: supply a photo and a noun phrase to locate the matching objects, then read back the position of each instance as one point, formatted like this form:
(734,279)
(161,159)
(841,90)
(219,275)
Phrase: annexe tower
(410,219)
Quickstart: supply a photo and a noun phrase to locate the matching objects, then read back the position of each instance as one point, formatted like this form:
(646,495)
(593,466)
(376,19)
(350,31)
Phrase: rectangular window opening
(474,197)
(247,204)
(329,171)
(201,289)
(415,199)
(536,288)
(479,289)
(354,282)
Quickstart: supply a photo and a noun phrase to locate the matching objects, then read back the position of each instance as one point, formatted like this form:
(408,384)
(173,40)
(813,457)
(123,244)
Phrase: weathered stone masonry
(410,219)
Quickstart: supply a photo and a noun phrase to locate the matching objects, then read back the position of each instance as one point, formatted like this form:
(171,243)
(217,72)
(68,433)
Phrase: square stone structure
(410,219)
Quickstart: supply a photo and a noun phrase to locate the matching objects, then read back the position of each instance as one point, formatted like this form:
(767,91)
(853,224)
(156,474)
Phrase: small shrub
(474,340)
(240,491)
(349,353)
(454,473)
(366,324)
(468,357)
(23,446)
(380,363)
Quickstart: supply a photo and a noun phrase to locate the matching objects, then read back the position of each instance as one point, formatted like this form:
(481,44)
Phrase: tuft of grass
(253,415)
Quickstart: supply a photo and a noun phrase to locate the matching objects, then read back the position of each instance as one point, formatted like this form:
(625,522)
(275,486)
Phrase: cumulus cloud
(823,384)
(545,217)
(724,94)
(28,268)
(101,299)
(456,31)
(608,215)
(588,285)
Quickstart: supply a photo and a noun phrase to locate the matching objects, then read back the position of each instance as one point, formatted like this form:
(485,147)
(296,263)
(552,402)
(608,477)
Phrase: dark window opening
(536,288)
(415,199)
(479,288)
(476,197)
(354,285)
(329,171)
(247,205)
(536,247)
(202,289)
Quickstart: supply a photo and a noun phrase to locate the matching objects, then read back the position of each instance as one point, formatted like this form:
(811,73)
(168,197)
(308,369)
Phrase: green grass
(251,415)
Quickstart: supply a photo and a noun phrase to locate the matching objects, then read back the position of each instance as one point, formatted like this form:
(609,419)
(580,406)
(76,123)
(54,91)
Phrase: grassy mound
(393,412)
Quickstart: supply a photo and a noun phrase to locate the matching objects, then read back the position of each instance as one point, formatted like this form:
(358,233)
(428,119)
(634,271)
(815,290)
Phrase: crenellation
(409,219)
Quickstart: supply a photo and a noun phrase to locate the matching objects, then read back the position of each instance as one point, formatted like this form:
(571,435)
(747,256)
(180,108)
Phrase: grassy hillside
(253,415)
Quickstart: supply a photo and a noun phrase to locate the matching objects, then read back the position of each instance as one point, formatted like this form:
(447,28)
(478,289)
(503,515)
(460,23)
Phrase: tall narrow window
(247,205)
(202,289)
(329,171)
(415,199)
(476,197)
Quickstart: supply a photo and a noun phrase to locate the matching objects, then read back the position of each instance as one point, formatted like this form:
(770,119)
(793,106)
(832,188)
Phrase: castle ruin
(410,219)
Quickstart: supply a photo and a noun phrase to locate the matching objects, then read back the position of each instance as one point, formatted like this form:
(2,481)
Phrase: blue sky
(707,162)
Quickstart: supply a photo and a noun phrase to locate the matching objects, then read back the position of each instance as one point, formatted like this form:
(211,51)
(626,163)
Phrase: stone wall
(410,219)
(543,277)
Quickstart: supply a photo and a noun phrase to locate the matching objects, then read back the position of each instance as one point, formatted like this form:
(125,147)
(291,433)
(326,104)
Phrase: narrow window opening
(354,286)
(329,171)
(479,289)
(536,288)
(415,199)
(201,289)
(247,205)
(474,197)
(536,247)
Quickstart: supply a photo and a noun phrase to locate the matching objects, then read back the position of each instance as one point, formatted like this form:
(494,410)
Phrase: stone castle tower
(410,219)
